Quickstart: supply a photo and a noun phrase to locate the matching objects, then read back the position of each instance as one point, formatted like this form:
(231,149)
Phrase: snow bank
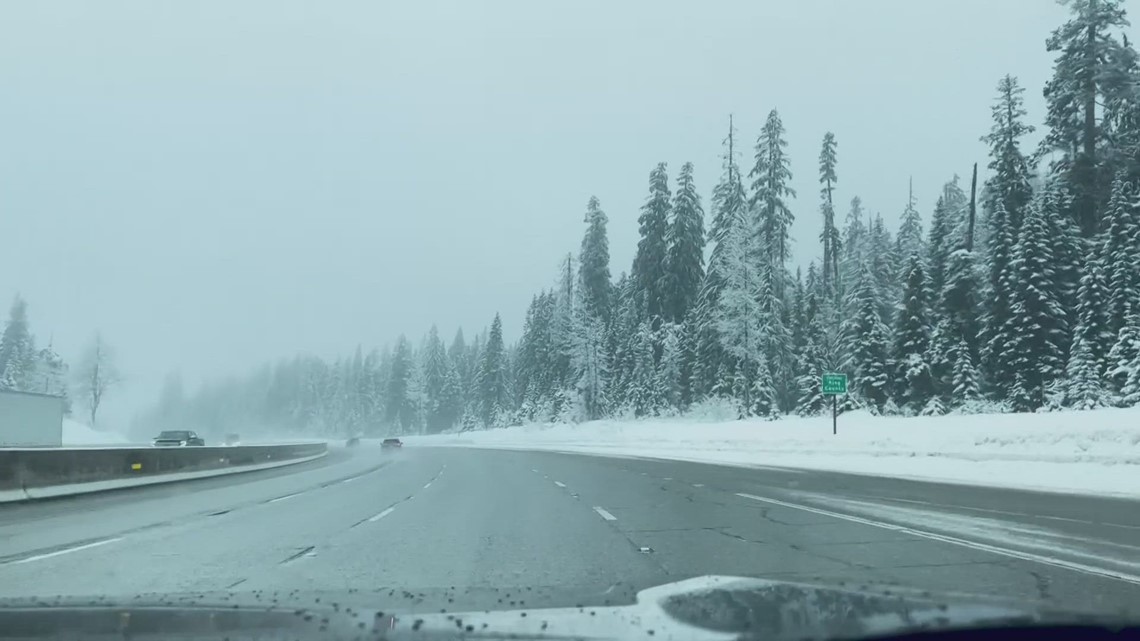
(1088,452)
(79,434)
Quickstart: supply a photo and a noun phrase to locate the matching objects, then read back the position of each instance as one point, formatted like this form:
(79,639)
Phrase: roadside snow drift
(1088,452)
(78,434)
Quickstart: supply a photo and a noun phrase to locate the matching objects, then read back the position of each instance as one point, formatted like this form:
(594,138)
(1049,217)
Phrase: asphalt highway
(430,529)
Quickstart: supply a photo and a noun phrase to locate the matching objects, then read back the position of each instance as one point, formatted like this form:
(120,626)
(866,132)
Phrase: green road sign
(834,384)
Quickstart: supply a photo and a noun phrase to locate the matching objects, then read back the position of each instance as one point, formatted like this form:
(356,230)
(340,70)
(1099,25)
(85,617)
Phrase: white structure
(28,419)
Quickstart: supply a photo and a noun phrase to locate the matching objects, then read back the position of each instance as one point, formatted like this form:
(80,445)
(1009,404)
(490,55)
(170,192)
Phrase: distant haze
(217,184)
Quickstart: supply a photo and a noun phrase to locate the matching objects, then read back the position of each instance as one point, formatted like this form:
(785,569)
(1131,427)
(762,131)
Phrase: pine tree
(492,376)
(1119,254)
(884,265)
(1087,49)
(399,412)
(685,263)
(741,321)
(669,374)
(830,234)
(1124,361)
(1092,317)
(1069,253)
(869,337)
(945,233)
(649,263)
(590,364)
(771,188)
(1084,388)
(909,239)
(966,384)
(17,349)
(913,383)
(729,206)
(1009,187)
(853,249)
(594,263)
(1038,321)
(643,393)
(960,301)
(995,339)
(813,362)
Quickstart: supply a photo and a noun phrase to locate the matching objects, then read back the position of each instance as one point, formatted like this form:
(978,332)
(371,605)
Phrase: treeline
(1023,294)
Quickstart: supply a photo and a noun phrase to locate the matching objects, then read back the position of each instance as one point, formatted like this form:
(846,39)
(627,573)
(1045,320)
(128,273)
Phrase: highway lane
(461,529)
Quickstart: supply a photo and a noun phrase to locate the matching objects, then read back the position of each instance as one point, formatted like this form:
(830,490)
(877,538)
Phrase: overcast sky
(215,184)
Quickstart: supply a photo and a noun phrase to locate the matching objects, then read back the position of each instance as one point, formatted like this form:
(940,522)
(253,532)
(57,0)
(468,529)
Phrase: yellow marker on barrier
(136,466)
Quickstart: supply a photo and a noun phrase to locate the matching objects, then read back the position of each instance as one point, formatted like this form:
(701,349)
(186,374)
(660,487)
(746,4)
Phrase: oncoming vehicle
(391,444)
(178,438)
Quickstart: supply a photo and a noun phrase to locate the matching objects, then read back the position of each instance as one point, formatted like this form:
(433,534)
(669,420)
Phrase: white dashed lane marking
(604,514)
(560,484)
(381,515)
(282,498)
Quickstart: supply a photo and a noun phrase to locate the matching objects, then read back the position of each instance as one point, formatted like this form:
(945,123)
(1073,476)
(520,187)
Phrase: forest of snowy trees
(1019,294)
(23,366)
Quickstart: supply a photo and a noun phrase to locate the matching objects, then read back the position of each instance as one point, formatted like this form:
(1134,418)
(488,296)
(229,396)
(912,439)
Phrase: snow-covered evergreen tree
(1124,357)
(960,301)
(1092,316)
(1120,255)
(771,188)
(493,399)
(643,394)
(867,333)
(17,349)
(741,320)
(946,233)
(685,262)
(650,262)
(590,364)
(913,383)
(1087,49)
(829,237)
(1038,321)
(909,239)
(1084,387)
(594,264)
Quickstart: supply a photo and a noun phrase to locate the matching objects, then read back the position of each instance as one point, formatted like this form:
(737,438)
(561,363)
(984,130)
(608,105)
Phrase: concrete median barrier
(29,473)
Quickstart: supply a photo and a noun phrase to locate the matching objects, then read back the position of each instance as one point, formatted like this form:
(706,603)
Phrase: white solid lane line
(282,498)
(604,514)
(985,547)
(381,515)
(77,548)
(560,484)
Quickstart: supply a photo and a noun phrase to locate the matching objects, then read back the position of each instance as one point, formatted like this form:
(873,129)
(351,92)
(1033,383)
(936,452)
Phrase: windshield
(516,306)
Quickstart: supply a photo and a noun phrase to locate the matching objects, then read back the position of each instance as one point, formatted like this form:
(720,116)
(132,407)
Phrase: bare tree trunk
(973,209)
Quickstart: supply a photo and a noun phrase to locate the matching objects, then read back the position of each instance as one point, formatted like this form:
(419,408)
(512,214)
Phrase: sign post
(833,385)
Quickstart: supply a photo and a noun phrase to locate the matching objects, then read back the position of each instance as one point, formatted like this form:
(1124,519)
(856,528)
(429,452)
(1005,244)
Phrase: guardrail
(42,473)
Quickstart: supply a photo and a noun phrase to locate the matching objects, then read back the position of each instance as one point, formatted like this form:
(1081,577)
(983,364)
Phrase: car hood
(711,608)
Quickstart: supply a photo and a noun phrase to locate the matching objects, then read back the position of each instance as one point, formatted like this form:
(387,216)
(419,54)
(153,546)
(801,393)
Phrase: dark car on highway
(391,444)
(178,438)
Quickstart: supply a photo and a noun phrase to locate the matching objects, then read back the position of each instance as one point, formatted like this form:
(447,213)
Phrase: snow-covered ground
(1087,452)
(76,434)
